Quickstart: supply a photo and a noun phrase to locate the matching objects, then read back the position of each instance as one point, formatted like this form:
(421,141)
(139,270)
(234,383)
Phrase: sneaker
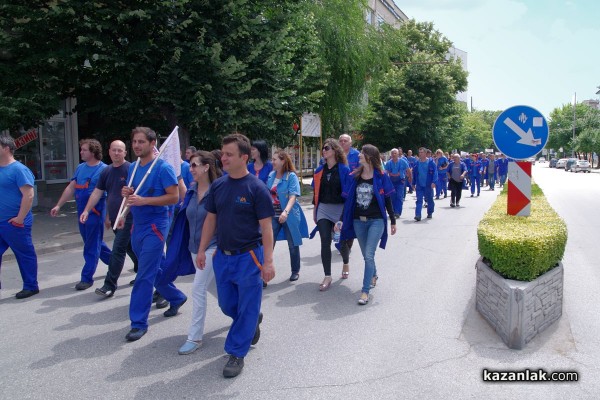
(189,347)
(256,337)
(83,285)
(364,299)
(135,334)
(25,293)
(471,195)
(233,367)
(105,291)
(417,219)
(452,205)
(457,205)
(429,216)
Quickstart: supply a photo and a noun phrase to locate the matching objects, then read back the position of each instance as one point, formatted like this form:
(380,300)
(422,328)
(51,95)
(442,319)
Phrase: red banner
(26,138)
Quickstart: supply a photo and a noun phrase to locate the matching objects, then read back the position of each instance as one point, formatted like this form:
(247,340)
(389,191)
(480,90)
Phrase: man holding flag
(156,189)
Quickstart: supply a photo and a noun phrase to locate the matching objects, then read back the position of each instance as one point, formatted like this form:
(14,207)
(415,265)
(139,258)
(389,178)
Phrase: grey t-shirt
(456,172)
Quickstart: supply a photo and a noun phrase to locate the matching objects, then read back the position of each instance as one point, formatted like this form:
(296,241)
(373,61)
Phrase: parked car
(552,163)
(542,159)
(581,165)
(531,160)
(561,163)
(570,163)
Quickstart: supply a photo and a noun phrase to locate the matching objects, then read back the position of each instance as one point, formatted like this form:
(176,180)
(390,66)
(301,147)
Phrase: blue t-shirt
(12,178)
(239,204)
(263,173)
(86,178)
(423,168)
(186,174)
(112,179)
(397,170)
(161,177)
(352,158)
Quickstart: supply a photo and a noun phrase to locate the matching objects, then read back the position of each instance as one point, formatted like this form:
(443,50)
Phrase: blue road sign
(520,132)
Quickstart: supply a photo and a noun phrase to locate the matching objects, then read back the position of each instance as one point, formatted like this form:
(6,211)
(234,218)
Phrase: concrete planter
(517,310)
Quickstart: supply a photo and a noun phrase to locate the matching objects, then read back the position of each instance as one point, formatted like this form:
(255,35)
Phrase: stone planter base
(518,310)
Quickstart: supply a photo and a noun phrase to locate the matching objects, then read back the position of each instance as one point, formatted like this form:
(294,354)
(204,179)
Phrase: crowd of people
(221,217)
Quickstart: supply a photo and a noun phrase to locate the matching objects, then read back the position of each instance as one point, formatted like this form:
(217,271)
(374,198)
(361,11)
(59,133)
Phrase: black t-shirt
(112,179)
(330,191)
(366,202)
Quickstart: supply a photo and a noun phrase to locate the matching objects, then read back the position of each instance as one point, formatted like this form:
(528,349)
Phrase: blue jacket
(476,168)
(352,158)
(432,173)
(296,221)
(382,187)
(178,260)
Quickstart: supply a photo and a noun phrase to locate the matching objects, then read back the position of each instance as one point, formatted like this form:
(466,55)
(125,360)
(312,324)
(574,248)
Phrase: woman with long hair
(260,167)
(368,197)
(204,171)
(329,183)
(289,222)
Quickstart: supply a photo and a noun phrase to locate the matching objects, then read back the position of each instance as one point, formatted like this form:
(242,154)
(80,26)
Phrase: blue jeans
(368,234)
(294,250)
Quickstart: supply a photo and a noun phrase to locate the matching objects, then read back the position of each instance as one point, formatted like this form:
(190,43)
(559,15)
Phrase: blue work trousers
(475,183)
(368,234)
(18,238)
(441,186)
(294,250)
(398,197)
(121,247)
(94,248)
(239,288)
(148,242)
(425,192)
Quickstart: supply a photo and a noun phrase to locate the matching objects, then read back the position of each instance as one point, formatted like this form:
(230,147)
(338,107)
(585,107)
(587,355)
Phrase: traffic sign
(520,132)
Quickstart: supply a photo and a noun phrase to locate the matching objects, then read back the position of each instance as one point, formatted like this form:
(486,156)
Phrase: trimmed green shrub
(522,248)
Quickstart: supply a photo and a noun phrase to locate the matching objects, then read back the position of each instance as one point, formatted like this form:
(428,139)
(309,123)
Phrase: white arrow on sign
(525,137)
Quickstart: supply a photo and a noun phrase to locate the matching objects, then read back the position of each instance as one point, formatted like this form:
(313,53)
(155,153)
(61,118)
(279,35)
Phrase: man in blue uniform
(442,183)
(81,186)
(399,171)
(16,186)
(412,161)
(475,173)
(150,226)
(112,179)
(425,175)
(239,208)
(345,141)
(502,169)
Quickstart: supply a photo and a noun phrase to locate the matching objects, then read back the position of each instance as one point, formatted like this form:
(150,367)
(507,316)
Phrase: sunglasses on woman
(194,165)
(326,148)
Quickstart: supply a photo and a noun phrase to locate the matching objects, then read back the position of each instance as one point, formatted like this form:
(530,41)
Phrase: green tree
(475,133)
(561,126)
(209,66)
(415,105)
(588,141)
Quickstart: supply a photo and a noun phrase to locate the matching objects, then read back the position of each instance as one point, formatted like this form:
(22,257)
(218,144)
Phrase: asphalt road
(419,336)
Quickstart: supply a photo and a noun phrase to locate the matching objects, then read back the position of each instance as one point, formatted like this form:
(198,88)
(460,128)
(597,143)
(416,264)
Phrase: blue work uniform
(502,170)
(239,205)
(18,237)
(150,227)
(467,161)
(397,173)
(412,160)
(263,173)
(424,174)
(442,183)
(475,171)
(92,232)
(352,159)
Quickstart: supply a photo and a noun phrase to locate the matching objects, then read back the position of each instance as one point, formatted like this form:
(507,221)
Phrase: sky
(537,53)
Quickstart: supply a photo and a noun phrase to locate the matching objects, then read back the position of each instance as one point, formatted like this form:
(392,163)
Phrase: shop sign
(26,138)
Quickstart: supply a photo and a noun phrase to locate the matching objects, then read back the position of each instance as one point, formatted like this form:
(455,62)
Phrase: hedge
(522,248)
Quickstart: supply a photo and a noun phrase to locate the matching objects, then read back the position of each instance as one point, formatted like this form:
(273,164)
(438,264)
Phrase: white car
(561,163)
(542,159)
(581,165)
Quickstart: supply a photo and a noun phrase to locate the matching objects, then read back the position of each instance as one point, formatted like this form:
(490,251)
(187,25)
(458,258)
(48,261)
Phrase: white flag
(170,151)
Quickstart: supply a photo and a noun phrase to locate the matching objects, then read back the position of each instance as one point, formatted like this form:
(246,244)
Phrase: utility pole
(574,105)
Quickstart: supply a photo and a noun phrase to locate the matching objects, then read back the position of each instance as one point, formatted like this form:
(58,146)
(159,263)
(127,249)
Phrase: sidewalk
(51,234)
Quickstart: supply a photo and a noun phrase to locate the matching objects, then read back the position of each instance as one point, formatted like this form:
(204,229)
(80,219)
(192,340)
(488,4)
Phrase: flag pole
(125,198)
(162,148)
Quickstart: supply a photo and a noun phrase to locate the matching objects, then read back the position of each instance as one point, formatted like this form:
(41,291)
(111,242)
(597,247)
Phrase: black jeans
(121,246)
(325,227)
(455,191)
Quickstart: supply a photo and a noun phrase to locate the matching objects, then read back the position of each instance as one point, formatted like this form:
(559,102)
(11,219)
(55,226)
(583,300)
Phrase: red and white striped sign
(519,188)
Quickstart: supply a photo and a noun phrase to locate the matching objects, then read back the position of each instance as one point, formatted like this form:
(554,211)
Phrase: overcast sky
(531,52)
